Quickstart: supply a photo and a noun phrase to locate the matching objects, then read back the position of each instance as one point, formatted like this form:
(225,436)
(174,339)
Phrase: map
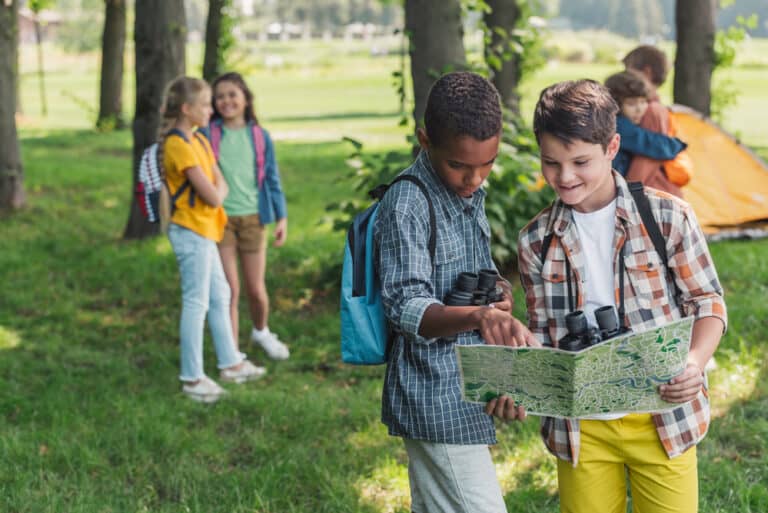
(620,375)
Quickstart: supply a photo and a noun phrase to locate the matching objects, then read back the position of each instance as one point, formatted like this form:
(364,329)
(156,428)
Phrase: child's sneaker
(270,343)
(205,390)
(245,372)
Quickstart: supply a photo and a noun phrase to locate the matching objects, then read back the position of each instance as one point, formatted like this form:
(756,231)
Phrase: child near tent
(196,224)
(246,156)
(668,175)
(594,225)
(631,92)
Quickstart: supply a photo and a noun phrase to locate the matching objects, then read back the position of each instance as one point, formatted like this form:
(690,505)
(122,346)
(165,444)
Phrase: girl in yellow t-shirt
(197,223)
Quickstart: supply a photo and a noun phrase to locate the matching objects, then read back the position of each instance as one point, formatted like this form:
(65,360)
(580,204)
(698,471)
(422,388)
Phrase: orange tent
(729,187)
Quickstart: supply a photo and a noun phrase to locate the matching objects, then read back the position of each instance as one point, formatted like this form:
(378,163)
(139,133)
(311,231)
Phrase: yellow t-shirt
(178,157)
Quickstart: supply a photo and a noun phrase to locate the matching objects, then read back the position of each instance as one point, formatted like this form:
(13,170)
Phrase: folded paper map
(620,375)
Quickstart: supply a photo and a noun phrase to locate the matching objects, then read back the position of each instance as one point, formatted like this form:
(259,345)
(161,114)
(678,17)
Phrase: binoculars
(475,289)
(581,335)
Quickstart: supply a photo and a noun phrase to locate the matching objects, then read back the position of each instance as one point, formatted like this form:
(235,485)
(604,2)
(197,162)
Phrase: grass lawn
(91,416)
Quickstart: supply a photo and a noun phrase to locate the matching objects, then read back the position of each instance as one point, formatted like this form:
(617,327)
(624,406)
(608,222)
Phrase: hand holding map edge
(621,375)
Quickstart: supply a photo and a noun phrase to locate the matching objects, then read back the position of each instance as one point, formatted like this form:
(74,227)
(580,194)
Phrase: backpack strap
(260,148)
(186,185)
(545,243)
(214,130)
(652,227)
(644,207)
(432,244)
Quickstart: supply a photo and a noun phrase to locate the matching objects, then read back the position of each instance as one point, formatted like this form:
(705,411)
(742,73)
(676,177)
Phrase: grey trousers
(449,478)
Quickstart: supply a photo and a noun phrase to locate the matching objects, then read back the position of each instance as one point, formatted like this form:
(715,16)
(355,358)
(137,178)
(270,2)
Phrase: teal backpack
(364,330)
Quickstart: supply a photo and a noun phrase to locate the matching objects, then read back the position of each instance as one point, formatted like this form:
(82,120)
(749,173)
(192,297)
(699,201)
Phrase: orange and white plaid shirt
(648,295)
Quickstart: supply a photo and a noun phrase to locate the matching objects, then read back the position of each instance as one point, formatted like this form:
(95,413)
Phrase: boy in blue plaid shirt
(449,464)
(601,254)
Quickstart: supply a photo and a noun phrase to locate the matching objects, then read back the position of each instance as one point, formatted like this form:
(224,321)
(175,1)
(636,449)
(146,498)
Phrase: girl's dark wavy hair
(237,79)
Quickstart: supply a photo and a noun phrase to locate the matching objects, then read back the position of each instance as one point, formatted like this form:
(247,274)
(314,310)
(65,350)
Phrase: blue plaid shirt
(422,393)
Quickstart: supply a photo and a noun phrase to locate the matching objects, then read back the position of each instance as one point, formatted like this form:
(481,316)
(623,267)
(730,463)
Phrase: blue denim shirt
(422,393)
(638,140)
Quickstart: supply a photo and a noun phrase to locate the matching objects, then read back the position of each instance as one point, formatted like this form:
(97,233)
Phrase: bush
(516,191)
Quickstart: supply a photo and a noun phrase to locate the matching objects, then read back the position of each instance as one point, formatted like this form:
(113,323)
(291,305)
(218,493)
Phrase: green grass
(91,416)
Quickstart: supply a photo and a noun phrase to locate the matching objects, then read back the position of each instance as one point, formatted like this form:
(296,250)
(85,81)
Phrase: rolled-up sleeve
(405,269)
(695,274)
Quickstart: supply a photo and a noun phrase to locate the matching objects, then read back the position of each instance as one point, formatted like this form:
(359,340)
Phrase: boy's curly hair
(576,110)
(648,56)
(627,84)
(462,103)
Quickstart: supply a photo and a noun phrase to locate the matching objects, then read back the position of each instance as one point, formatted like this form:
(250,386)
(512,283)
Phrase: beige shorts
(246,233)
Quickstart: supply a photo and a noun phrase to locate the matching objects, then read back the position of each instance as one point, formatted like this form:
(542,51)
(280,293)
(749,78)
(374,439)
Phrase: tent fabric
(729,188)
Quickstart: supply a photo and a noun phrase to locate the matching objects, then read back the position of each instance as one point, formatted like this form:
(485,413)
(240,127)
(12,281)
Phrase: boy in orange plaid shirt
(601,254)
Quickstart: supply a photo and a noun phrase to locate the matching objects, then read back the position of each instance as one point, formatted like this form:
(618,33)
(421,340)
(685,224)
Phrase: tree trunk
(505,64)
(160,33)
(11,170)
(212,59)
(694,62)
(112,50)
(40,65)
(436,45)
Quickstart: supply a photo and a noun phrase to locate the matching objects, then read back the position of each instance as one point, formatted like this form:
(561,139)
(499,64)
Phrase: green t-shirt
(238,164)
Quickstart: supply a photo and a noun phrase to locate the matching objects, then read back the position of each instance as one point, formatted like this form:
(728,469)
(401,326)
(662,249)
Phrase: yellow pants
(614,451)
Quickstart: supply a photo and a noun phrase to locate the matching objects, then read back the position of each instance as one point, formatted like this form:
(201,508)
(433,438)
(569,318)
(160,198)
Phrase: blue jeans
(204,289)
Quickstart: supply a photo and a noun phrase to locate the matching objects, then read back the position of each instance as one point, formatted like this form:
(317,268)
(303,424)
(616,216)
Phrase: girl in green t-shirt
(246,156)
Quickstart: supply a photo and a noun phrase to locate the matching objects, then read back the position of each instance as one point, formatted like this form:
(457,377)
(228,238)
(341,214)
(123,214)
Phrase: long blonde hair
(182,90)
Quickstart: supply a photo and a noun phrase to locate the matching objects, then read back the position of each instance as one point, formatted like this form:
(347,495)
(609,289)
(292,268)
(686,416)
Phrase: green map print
(620,375)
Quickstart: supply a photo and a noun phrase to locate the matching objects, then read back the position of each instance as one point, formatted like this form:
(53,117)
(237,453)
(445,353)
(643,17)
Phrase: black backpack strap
(545,243)
(652,226)
(432,219)
(644,207)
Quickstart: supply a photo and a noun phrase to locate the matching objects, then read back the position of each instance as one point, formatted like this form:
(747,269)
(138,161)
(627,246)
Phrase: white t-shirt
(596,230)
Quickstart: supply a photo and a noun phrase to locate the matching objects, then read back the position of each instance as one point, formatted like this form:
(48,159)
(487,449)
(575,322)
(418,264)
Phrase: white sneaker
(246,372)
(205,391)
(271,345)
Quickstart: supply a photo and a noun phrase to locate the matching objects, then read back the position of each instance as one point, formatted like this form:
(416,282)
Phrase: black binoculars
(581,335)
(475,289)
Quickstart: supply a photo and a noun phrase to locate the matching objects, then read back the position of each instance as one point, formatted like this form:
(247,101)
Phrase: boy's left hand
(281,231)
(685,386)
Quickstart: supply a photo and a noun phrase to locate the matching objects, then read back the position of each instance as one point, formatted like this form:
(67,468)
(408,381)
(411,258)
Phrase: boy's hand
(685,386)
(509,301)
(281,231)
(504,408)
(499,328)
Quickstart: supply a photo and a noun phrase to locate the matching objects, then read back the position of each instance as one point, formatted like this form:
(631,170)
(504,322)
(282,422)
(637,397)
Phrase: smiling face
(634,108)
(230,101)
(579,172)
(462,162)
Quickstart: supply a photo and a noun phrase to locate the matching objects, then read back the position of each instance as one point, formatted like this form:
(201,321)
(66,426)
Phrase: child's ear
(613,146)
(421,135)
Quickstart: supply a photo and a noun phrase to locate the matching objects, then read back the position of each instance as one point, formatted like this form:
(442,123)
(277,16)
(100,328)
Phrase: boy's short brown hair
(576,110)
(627,84)
(651,57)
